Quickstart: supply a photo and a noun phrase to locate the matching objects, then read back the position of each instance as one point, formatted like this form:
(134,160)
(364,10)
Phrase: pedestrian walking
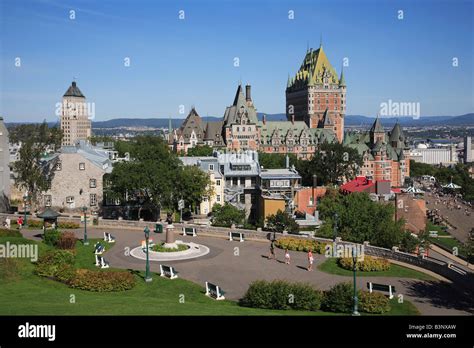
(272,250)
(19,222)
(310,260)
(287,257)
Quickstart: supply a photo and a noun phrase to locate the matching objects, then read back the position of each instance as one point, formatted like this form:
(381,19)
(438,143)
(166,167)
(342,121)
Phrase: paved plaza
(234,265)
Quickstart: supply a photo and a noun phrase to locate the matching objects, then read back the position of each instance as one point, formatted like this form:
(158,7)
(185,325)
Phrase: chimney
(264,119)
(248,96)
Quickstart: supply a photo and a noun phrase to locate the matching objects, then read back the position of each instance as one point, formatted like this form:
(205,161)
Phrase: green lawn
(29,294)
(432,227)
(331,266)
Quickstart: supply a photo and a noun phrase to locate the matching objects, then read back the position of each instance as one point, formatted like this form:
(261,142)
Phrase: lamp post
(84,209)
(336,217)
(25,202)
(354,268)
(148,277)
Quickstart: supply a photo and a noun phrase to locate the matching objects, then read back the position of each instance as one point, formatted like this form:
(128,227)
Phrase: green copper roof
(313,69)
(377,126)
(342,81)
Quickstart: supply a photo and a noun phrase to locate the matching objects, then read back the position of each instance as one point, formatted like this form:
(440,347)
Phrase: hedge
(367,264)
(280,294)
(9,233)
(339,298)
(51,262)
(39,224)
(51,237)
(297,244)
(102,281)
(374,302)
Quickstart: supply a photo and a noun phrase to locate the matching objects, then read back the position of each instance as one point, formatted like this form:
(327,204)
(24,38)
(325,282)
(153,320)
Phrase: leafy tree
(408,242)
(275,160)
(331,163)
(202,150)
(361,219)
(32,172)
(155,177)
(226,215)
(281,221)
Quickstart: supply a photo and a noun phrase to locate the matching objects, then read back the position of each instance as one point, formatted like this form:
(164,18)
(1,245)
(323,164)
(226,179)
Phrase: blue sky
(189,62)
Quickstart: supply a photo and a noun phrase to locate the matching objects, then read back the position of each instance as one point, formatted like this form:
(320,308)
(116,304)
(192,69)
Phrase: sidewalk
(452,257)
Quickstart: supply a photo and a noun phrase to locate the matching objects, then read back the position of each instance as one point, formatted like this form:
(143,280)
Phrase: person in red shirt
(19,222)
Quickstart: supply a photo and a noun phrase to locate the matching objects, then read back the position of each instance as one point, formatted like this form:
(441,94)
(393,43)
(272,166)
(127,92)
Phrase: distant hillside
(350,120)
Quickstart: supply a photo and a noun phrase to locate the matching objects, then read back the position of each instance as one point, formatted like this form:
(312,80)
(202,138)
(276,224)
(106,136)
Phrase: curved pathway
(234,265)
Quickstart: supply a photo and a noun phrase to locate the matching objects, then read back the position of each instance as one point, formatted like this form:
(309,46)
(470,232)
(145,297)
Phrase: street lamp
(147,271)
(354,268)
(25,201)
(84,209)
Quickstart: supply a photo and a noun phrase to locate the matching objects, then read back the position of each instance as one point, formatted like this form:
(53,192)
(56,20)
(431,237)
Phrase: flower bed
(297,244)
(368,264)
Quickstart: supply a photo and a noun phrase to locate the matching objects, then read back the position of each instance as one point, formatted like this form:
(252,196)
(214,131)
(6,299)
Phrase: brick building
(386,155)
(316,95)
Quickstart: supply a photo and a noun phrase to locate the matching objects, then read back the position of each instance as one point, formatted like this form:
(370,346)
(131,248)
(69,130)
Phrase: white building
(435,155)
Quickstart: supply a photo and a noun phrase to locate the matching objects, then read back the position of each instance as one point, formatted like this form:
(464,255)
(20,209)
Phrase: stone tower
(316,95)
(75,122)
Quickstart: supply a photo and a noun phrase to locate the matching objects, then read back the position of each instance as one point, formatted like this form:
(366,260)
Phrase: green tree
(155,177)
(408,242)
(281,221)
(226,215)
(331,163)
(361,219)
(32,172)
(275,160)
(201,150)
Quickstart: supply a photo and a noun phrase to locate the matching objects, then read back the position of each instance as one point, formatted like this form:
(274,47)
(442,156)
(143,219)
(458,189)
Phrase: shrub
(51,237)
(368,264)
(339,298)
(66,240)
(298,244)
(65,273)
(280,294)
(373,302)
(9,269)
(160,248)
(50,262)
(68,225)
(102,281)
(9,233)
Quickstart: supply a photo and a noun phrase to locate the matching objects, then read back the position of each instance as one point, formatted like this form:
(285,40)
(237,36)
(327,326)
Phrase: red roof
(359,184)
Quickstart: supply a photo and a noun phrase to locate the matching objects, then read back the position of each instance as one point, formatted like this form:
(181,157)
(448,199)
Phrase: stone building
(386,156)
(316,95)
(189,135)
(74,119)
(78,177)
(4,168)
